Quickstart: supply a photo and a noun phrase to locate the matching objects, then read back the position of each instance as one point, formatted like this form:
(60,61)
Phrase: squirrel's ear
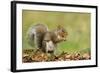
(59,26)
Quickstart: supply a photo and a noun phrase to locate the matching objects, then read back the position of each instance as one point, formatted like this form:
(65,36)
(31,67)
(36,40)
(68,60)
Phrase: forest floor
(30,55)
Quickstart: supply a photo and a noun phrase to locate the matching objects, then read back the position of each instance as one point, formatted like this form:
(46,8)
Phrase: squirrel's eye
(62,35)
(63,31)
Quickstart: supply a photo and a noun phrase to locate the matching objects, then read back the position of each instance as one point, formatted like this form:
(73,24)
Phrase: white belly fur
(49,46)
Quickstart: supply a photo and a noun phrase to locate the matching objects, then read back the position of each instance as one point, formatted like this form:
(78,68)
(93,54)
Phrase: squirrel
(46,40)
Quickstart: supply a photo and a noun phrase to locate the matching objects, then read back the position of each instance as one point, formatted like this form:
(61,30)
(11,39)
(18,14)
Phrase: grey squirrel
(44,39)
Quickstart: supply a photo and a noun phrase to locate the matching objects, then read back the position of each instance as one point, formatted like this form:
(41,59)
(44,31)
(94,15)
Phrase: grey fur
(36,34)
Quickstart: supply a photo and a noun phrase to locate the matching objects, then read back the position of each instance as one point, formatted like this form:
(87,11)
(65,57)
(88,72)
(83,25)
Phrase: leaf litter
(30,55)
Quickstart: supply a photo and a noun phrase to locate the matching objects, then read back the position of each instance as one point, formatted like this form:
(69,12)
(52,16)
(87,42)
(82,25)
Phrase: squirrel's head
(62,33)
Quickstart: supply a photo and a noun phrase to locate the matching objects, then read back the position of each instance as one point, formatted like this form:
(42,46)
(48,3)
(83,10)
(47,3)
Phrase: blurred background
(76,24)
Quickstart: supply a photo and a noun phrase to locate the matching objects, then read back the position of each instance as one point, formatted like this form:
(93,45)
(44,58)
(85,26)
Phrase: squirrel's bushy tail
(35,35)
